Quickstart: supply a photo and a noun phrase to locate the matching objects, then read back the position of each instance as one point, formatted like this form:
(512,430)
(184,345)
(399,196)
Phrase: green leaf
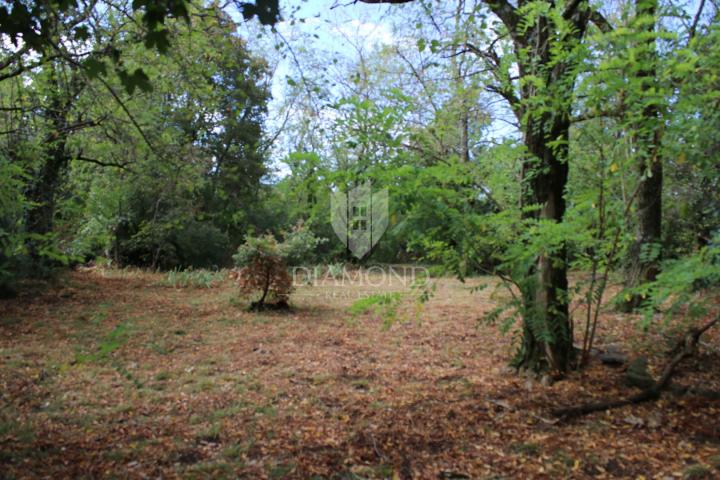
(82,33)
(159,39)
(267,11)
(138,79)
(94,67)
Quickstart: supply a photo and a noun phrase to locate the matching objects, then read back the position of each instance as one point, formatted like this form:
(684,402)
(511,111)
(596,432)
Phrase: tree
(40,31)
(644,254)
(193,165)
(154,176)
(545,45)
(264,263)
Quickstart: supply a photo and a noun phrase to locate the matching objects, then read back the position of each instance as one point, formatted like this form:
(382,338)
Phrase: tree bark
(547,330)
(641,267)
(42,193)
(547,342)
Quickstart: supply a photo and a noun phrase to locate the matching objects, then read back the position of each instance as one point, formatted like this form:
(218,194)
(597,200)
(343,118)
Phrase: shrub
(263,270)
(168,245)
(264,265)
(14,260)
(299,245)
(202,245)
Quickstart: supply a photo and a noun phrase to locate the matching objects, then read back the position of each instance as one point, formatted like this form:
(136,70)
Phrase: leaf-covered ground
(116,375)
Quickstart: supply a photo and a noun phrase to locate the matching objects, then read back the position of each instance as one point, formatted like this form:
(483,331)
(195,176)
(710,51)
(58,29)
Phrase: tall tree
(545,41)
(643,256)
(61,120)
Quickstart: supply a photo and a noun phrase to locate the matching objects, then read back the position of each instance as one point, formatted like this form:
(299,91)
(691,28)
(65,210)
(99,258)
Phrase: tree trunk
(43,191)
(464,134)
(642,264)
(457,63)
(547,330)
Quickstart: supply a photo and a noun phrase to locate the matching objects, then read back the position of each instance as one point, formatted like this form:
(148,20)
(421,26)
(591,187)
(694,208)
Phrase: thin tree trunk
(458,63)
(642,263)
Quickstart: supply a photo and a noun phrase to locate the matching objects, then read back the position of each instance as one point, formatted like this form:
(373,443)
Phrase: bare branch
(418,77)
(122,166)
(696,21)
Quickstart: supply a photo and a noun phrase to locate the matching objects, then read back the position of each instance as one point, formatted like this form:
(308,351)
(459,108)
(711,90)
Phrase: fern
(383,305)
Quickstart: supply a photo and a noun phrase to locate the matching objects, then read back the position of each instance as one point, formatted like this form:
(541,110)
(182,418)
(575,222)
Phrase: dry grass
(115,375)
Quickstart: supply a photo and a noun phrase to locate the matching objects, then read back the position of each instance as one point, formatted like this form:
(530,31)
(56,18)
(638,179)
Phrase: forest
(360,239)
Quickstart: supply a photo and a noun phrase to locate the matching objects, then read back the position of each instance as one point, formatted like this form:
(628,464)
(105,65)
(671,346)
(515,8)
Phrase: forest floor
(114,374)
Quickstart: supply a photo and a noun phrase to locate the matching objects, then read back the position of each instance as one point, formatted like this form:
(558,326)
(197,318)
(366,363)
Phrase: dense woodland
(568,151)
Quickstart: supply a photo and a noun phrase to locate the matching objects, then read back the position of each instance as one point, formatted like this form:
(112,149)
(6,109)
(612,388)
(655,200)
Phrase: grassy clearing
(113,373)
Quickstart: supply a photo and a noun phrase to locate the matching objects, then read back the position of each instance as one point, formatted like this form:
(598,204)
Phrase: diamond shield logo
(359,217)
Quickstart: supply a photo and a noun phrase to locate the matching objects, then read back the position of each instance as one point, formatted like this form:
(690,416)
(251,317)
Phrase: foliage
(154,177)
(299,245)
(264,263)
(171,244)
(382,305)
(194,278)
(34,27)
(678,291)
(11,238)
(263,269)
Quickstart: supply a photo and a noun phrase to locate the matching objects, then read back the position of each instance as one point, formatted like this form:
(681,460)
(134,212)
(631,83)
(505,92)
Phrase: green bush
(299,245)
(170,245)
(13,260)
(437,271)
(202,245)
(264,264)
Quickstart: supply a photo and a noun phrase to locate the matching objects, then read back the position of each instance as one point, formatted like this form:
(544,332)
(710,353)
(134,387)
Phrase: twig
(696,20)
(685,347)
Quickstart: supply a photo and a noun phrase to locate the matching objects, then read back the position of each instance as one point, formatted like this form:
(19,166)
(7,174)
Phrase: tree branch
(696,21)
(587,116)
(122,166)
(685,348)
(418,77)
(600,21)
